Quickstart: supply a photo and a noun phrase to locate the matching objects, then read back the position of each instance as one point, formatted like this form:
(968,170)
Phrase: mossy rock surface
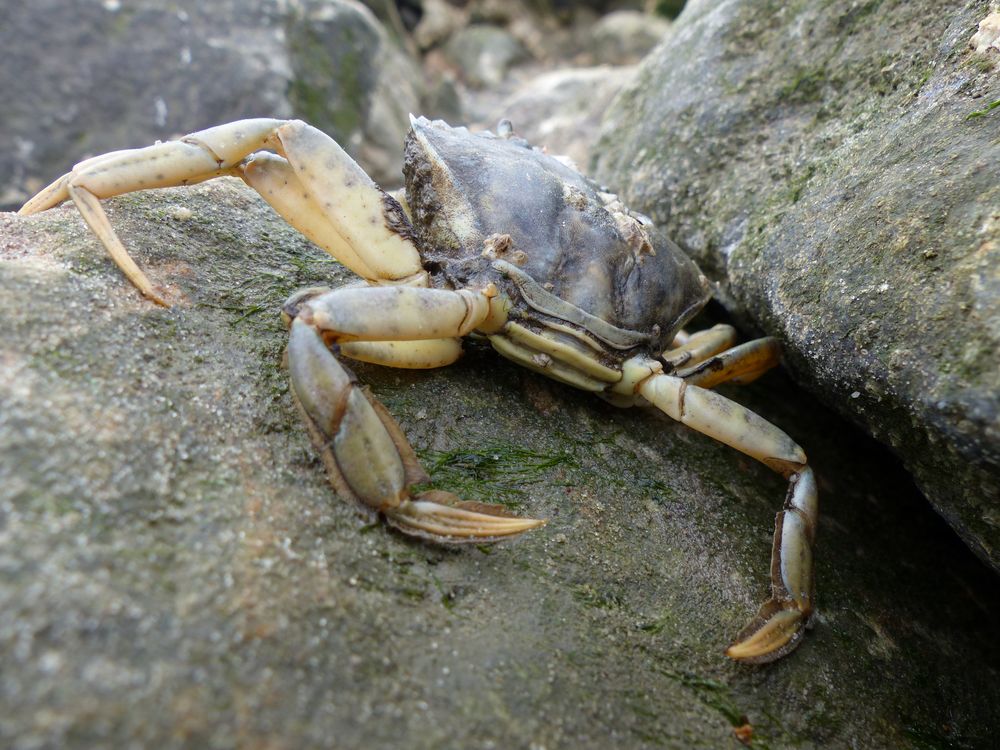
(833,166)
(176,572)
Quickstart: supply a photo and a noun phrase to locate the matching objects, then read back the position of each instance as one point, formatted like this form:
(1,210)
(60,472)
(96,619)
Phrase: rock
(833,167)
(482,54)
(623,37)
(176,572)
(94,77)
(562,110)
(350,81)
(439,21)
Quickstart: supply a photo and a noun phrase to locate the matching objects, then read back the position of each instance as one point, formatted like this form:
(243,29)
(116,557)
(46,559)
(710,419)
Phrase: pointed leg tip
(458,522)
(775,632)
(48,197)
(33,206)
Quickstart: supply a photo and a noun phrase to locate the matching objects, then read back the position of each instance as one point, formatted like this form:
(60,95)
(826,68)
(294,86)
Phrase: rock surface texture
(84,78)
(176,572)
(833,166)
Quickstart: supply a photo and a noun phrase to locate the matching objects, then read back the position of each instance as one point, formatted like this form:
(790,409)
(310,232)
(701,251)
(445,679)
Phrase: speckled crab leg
(693,348)
(321,186)
(316,186)
(781,621)
(740,365)
(366,454)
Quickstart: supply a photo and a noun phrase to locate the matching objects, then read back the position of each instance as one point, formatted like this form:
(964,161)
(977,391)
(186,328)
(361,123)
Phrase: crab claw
(368,458)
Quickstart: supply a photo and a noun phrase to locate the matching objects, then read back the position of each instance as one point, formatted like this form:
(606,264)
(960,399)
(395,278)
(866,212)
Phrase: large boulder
(623,37)
(561,110)
(833,167)
(482,54)
(176,572)
(84,78)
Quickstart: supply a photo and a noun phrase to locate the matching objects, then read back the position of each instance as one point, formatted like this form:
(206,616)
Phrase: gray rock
(351,81)
(833,166)
(562,110)
(175,571)
(482,54)
(439,21)
(86,78)
(623,37)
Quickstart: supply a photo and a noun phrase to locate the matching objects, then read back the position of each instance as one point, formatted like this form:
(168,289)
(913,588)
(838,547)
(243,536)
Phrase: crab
(496,239)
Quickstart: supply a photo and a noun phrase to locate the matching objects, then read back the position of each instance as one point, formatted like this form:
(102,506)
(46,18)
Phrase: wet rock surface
(175,571)
(833,167)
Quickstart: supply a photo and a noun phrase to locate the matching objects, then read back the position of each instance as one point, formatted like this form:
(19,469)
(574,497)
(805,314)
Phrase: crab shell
(487,208)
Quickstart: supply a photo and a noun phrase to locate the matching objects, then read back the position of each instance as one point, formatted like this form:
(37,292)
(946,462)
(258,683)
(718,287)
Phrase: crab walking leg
(700,345)
(194,158)
(399,313)
(366,454)
(366,226)
(367,217)
(740,365)
(781,621)
(273,177)
(407,355)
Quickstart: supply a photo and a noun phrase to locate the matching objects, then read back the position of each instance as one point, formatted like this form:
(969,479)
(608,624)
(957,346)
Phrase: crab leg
(781,621)
(408,355)
(740,365)
(317,186)
(700,345)
(366,454)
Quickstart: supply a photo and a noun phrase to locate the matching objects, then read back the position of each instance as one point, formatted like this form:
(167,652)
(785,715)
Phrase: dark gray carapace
(464,188)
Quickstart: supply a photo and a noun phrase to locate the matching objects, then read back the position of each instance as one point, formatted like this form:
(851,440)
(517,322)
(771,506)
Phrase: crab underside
(493,239)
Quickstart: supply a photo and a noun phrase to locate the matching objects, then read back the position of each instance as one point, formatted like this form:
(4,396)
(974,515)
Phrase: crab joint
(780,623)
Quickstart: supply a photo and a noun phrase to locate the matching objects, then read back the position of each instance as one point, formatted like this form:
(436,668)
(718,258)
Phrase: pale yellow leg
(407,355)
(689,349)
(366,454)
(780,624)
(740,365)
(317,186)
(273,177)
